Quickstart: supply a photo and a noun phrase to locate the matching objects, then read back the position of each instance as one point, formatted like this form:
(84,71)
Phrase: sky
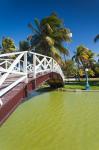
(80,16)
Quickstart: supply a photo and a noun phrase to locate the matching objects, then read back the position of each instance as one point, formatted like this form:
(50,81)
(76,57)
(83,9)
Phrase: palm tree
(91,61)
(69,69)
(95,40)
(81,57)
(49,37)
(24,45)
(8,45)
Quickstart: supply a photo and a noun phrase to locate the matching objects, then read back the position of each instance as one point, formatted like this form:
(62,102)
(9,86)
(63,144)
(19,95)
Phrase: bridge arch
(19,75)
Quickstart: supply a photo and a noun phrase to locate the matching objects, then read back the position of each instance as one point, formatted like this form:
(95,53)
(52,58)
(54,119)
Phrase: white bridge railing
(21,64)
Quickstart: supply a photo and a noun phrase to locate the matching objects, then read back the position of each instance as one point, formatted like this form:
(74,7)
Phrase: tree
(80,55)
(95,40)
(83,57)
(91,73)
(24,45)
(91,61)
(8,45)
(96,69)
(49,36)
(69,69)
(81,72)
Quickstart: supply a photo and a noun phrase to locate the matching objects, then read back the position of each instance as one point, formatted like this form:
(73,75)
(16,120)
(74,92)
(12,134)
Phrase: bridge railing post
(19,67)
(6,65)
(34,65)
(45,63)
(52,65)
(25,66)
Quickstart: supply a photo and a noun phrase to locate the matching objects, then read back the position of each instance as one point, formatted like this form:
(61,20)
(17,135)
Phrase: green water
(54,121)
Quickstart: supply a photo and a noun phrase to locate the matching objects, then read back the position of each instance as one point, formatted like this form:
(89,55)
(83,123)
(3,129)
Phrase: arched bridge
(21,72)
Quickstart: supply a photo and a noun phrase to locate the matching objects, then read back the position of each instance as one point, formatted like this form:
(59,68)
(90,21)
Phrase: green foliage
(69,69)
(82,55)
(24,45)
(91,73)
(84,58)
(48,36)
(97,71)
(8,45)
(81,72)
(52,20)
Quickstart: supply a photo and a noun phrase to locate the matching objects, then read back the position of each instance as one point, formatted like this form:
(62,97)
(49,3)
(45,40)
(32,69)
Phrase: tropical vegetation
(49,36)
(7,45)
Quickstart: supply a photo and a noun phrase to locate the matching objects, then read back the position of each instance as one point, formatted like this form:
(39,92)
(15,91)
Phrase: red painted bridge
(23,72)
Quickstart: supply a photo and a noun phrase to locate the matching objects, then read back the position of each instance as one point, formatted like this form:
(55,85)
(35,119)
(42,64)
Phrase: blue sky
(81,17)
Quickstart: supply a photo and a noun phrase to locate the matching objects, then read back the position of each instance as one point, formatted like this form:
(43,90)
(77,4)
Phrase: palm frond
(62,49)
(37,23)
(33,29)
(96,38)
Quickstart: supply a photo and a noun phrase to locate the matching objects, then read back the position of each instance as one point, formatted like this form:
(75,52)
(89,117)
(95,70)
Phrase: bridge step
(10,79)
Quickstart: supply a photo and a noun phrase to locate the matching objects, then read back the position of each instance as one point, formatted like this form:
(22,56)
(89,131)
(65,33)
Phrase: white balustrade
(18,64)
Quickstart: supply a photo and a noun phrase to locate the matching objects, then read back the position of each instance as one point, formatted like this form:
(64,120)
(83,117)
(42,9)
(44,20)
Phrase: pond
(54,121)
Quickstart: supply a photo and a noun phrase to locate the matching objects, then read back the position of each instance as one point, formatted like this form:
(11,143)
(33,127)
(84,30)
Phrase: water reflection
(39,92)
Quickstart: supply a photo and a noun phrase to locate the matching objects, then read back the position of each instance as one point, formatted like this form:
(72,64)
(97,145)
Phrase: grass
(94,84)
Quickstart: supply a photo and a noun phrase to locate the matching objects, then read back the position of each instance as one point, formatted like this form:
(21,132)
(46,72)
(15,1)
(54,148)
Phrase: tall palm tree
(91,60)
(49,36)
(83,57)
(95,40)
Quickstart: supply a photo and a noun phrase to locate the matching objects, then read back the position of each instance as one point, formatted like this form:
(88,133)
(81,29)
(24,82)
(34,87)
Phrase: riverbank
(75,90)
(74,86)
(63,89)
